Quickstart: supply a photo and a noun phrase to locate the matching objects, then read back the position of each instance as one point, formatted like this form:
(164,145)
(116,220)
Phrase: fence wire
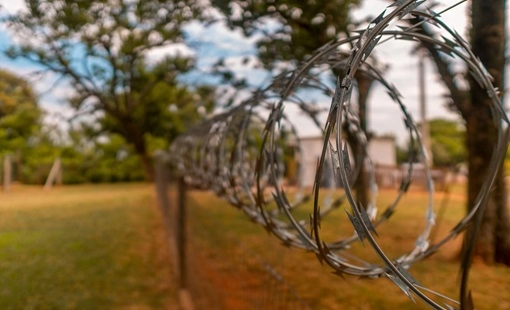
(239,279)
(241,153)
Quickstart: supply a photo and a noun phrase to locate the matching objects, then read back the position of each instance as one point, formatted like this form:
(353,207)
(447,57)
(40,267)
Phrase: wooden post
(174,217)
(181,231)
(54,172)
(7,173)
(185,298)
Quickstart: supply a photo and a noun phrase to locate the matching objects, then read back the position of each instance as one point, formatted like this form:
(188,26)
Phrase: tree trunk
(145,159)
(364,83)
(135,136)
(147,165)
(488,43)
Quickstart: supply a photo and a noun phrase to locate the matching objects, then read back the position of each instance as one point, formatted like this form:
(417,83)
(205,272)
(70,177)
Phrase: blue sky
(209,44)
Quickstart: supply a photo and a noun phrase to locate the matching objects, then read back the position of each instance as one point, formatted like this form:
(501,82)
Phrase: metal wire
(240,153)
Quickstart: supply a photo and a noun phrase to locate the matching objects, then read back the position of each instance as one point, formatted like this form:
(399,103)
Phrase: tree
(446,142)
(19,113)
(167,112)
(19,117)
(105,50)
(488,42)
(487,36)
(303,27)
(113,161)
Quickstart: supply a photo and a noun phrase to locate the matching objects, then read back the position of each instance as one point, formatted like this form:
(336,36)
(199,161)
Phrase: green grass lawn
(219,233)
(84,247)
(103,247)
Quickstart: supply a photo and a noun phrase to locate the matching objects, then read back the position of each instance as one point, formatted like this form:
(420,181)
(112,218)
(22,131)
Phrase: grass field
(84,247)
(219,233)
(103,247)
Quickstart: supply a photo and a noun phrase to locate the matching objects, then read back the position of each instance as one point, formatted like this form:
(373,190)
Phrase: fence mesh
(237,278)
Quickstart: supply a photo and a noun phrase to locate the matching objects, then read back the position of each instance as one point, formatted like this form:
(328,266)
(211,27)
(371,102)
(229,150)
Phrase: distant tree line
(446,141)
(88,153)
(106,53)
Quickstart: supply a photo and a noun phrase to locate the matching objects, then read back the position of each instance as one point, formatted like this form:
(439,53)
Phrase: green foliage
(33,151)
(114,161)
(84,160)
(19,114)
(301,26)
(107,160)
(14,92)
(507,163)
(166,112)
(37,161)
(19,120)
(402,154)
(447,142)
(103,49)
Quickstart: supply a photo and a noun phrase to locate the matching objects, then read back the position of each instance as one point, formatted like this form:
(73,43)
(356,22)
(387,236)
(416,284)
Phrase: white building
(381,150)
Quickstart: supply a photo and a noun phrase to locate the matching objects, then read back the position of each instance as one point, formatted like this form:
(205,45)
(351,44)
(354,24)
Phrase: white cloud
(221,37)
(159,53)
(12,6)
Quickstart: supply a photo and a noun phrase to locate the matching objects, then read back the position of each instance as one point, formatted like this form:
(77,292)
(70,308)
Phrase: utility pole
(424,124)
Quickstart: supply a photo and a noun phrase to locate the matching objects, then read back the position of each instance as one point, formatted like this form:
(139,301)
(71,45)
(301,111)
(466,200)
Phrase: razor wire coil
(240,153)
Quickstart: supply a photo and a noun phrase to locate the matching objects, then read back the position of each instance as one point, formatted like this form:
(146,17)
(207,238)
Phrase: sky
(210,43)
